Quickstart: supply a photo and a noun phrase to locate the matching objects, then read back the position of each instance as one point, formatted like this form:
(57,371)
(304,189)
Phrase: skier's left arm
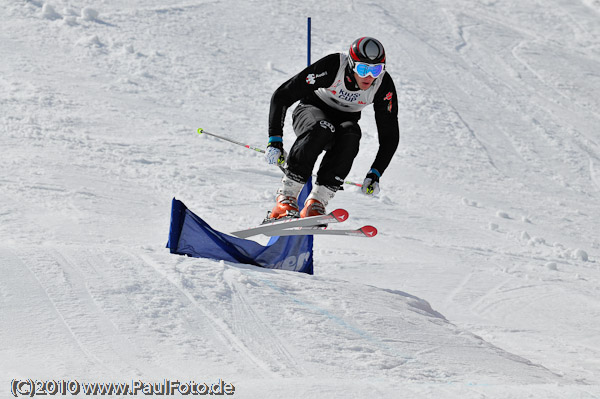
(386,119)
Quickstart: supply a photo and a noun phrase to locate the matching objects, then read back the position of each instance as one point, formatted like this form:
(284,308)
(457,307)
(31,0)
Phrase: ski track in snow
(231,338)
(483,281)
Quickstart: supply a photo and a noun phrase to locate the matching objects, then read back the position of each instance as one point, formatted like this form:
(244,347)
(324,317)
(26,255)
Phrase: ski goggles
(363,70)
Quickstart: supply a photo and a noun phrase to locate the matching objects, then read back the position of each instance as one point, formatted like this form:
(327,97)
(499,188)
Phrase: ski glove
(371,183)
(275,154)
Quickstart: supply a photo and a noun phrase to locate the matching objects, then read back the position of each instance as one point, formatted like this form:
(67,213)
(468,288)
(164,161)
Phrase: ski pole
(202,131)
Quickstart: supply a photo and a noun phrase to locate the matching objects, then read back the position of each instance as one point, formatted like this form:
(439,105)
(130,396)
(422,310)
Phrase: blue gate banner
(190,235)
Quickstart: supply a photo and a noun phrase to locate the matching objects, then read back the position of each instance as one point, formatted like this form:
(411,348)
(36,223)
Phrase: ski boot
(317,201)
(312,207)
(286,205)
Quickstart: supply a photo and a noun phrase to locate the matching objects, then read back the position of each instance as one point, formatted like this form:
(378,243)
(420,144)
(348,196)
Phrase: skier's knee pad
(350,128)
(321,135)
(349,138)
(323,131)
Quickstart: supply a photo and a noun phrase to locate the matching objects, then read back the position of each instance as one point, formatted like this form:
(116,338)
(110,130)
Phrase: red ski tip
(369,231)
(340,214)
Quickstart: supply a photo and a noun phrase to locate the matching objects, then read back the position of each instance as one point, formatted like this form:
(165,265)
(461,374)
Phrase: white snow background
(484,280)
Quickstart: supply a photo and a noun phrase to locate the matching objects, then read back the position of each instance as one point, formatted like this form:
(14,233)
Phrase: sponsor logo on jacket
(388,97)
(311,78)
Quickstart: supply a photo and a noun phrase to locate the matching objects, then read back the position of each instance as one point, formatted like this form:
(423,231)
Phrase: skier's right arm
(320,74)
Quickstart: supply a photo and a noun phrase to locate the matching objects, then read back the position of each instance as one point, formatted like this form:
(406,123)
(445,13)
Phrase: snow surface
(484,280)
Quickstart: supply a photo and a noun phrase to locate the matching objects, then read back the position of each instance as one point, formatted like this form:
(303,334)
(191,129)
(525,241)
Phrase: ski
(336,216)
(365,231)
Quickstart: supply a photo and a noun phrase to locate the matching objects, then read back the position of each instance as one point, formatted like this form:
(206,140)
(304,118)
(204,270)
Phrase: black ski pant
(319,131)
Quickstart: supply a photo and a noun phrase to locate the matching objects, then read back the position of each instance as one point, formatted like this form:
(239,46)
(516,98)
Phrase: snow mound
(48,12)
(156,317)
(89,14)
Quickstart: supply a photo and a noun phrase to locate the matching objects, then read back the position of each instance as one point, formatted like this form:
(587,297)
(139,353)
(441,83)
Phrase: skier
(332,92)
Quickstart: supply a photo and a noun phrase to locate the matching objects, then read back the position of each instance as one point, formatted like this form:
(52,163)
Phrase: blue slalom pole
(308,42)
(308,186)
